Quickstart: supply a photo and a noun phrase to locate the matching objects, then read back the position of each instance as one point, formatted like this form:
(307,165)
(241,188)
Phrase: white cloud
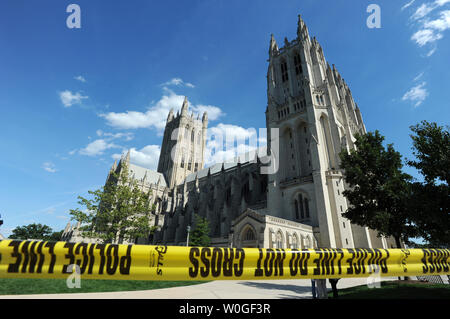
(422,11)
(426,8)
(226,141)
(156,116)
(97,147)
(112,136)
(417,94)
(408,5)
(147,157)
(431,28)
(49,167)
(431,52)
(178,82)
(213,111)
(103,143)
(80,78)
(68,98)
(418,77)
(425,36)
(442,2)
(440,24)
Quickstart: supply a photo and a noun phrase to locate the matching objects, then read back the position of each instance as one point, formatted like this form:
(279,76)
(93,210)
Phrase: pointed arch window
(279,240)
(301,207)
(302,210)
(192,136)
(294,244)
(249,234)
(298,64)
(284,73)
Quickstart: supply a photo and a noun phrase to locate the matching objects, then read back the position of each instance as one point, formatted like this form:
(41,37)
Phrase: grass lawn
(9,286)
(396,290)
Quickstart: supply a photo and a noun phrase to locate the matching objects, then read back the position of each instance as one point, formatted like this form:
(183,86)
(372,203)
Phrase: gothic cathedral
(310,117)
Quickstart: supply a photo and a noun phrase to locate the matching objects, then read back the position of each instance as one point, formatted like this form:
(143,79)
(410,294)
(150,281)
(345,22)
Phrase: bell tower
(316,116)
(183,145)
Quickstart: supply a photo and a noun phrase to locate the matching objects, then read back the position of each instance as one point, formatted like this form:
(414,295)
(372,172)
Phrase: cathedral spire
(184,108)
(205,119)
(67,229)
(170,116)
(196,183)
(113,167)
(273,46)
(300,24)
(127,157)
(302,29)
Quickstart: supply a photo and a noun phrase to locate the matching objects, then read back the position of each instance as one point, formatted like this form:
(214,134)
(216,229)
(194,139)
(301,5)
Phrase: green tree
(430,202)
(119,211)
(200,235)
(32,231)
(379,190)
(56,236)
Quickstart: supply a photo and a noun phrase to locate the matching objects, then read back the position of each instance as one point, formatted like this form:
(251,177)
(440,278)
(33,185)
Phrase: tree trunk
(399,245)
(397,241)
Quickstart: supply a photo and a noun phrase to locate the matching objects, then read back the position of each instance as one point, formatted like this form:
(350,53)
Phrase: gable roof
(248,157)
(151,177)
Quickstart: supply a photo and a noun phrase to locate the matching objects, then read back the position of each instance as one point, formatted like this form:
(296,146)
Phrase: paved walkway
(233,289)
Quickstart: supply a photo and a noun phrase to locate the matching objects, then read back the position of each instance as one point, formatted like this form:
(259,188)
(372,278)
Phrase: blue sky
(73,100)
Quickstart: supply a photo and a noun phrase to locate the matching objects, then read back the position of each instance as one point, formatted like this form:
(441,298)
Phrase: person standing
(322,288)
(313,288)
(333,283)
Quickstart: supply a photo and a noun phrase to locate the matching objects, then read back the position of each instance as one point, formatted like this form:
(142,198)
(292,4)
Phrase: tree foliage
(379,190)
(200,235)
(430,201)
(34,231)
(56,236)
(119,211)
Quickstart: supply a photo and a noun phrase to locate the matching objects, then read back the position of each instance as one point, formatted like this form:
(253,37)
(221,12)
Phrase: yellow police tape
(41,259)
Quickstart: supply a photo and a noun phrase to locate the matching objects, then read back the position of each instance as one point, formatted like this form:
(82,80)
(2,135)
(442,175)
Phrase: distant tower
(182,151)
(315,113)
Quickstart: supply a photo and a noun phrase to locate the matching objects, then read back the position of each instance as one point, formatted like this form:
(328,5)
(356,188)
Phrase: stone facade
(299,206)
(256,230)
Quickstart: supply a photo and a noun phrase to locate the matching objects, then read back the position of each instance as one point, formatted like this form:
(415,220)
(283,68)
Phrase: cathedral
(310,117)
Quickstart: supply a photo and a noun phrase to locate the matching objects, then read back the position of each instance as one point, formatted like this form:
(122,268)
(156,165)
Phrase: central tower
(314,111)
(182,150)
